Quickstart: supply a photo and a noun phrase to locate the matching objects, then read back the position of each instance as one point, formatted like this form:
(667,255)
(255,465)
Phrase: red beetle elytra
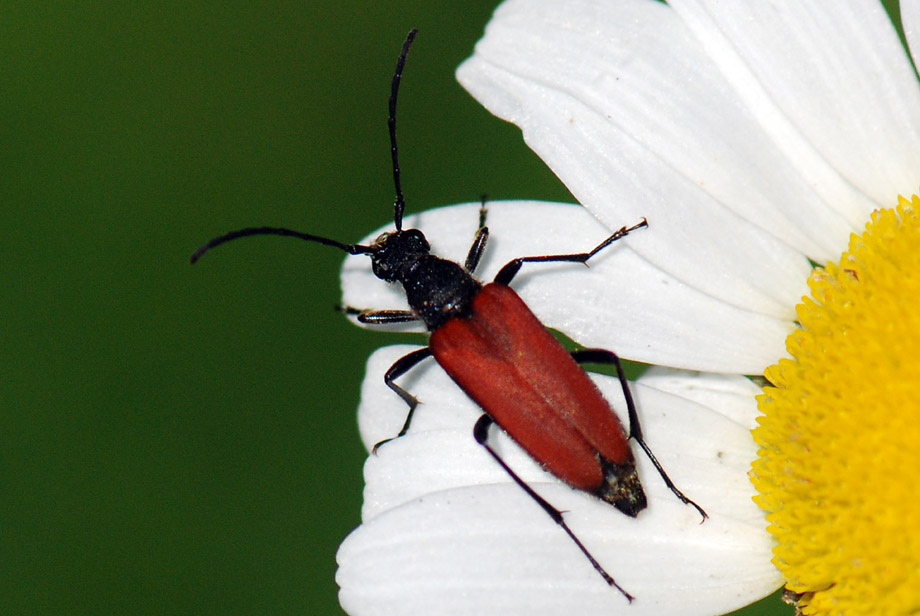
(499,353)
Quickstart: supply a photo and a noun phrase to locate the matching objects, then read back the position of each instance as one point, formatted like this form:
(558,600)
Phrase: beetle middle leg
(402,366)
(603,356)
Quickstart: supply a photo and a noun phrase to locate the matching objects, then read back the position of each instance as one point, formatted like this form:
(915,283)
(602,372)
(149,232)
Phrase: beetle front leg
(479,242)
(370,316)
(507,273)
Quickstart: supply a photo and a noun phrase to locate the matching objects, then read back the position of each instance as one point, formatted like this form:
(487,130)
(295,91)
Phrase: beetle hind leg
(603,356)
(481,434)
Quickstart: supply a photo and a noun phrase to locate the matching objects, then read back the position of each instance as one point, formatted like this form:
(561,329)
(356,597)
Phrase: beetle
(491,344)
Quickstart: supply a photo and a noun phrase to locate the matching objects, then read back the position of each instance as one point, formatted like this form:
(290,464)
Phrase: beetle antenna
(400,204)
(352,249)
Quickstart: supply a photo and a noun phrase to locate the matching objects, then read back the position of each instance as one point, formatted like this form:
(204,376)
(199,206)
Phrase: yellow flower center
(838,468)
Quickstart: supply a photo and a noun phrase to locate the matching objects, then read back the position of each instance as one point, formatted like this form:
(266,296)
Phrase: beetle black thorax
(436,289)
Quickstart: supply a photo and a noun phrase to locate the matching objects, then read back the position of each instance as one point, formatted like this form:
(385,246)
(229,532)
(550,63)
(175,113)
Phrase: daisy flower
(758,140)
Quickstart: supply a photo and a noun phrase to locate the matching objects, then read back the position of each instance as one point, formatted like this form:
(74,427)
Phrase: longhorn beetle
(506,361)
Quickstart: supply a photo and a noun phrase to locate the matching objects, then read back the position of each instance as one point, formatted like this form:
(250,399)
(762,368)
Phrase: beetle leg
(510,270)
(403,365)
(603,356)
(476,250)
(379,317)
(481,434)
(479,242)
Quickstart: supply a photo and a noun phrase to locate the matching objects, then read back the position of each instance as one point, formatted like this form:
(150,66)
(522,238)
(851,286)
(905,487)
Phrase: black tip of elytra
(632,504)
(622,488)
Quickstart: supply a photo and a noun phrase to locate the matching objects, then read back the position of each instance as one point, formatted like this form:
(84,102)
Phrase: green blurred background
(178,440)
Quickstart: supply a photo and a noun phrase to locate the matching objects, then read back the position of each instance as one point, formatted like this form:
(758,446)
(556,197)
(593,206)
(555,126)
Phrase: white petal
(626,109)
(910,19)
(625,105)
(836,71)
(731,394)
(622,302)
(446,531)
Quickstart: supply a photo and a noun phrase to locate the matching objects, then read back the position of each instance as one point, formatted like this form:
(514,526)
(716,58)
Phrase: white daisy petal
(584,82)
(910,19)
(649,307)
(752,139)
(730,394)
(799,60)
(447,532)
(579,80)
